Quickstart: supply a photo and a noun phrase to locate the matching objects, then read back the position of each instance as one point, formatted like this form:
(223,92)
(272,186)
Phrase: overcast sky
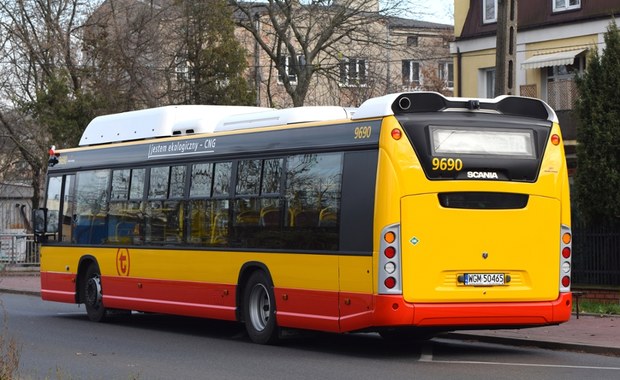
(440,11)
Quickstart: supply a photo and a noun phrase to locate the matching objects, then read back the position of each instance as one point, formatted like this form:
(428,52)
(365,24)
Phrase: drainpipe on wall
(459,92)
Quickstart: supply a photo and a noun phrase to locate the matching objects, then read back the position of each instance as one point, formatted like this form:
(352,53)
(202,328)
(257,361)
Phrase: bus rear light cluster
(390,261)
(566,251)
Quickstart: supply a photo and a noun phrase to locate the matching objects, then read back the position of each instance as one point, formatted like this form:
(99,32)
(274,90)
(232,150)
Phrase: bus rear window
(451,140)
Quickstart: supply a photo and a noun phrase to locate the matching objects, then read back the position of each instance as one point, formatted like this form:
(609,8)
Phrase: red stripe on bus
(323,310)
(307,309)
(58,287)
(190,298)
(356,311)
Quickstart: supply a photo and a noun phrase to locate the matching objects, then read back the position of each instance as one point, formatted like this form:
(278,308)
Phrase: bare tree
(126,52)
(304,40)
(340,47)
(40,78)
(208,63)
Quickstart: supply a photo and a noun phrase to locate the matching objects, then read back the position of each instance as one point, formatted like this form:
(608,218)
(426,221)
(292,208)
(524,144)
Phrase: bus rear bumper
(394,311)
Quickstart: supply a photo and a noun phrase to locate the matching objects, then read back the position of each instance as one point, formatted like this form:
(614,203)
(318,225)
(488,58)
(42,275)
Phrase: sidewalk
(590,333)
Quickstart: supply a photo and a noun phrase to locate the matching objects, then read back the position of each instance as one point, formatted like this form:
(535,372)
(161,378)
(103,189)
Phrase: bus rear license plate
(484,279)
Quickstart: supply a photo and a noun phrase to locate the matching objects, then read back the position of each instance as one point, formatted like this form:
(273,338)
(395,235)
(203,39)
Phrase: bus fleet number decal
(363,132)
(447,164)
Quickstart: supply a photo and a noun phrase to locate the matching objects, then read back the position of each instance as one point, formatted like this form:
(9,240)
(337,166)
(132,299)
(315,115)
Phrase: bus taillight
(566,281)
(389,261)
(566,240)
(390,282)
(566,253)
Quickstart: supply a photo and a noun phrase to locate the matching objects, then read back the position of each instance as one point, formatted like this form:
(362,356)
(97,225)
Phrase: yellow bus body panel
(296,271)
(452,242)
(293,271)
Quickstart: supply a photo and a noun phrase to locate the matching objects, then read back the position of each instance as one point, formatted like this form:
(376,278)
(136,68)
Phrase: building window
(183,69)
(489,11)
(411,73)
(412,41)
(565,5)
(446,73)
(561,87)
(288,63)
(353,72)
(561,72)
(487,90)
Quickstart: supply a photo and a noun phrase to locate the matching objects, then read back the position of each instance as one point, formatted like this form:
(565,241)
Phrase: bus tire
(259,309)
(93,296)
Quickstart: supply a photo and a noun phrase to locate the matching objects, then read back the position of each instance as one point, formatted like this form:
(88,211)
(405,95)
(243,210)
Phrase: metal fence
(17,249)
(596,257)
(562,94)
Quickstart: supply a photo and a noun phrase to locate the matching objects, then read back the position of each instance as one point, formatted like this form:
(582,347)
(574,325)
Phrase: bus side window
(61,207)
(54,193)
(68,211)
(200,213)
(91,207)
(313,187)
(257,213)
(155,213)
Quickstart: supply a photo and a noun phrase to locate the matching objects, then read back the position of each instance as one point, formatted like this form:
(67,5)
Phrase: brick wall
(599,295)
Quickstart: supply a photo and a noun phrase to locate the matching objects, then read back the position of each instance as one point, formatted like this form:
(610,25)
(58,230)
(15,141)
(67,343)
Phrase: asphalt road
(56,341)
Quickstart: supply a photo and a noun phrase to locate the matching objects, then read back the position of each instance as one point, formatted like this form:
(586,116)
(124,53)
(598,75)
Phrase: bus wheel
(259,309)
(93,296)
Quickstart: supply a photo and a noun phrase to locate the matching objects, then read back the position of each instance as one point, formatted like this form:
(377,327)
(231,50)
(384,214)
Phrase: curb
(576,347)
(21,292)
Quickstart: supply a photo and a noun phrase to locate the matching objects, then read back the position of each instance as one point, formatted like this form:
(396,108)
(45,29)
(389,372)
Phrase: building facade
(382,54)
(552,43)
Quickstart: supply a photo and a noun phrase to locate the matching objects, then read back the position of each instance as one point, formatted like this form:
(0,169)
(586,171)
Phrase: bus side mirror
(39,223)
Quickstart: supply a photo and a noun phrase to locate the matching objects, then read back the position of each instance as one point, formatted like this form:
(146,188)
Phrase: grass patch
(598,307)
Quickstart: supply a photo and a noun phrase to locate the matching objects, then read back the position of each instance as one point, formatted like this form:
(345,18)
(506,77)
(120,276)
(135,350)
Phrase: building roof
(536,14)
(15,191)
(399,22)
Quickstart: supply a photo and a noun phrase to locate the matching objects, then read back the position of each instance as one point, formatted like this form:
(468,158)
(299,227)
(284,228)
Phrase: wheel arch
(84,263)
(245,272)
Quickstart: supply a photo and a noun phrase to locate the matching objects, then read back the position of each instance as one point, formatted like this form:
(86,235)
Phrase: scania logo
(482,175)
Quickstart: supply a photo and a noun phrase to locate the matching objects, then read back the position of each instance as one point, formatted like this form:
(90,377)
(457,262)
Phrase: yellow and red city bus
(412,213)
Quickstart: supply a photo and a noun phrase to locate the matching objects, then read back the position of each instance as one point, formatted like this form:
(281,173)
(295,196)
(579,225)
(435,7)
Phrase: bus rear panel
(473,224)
